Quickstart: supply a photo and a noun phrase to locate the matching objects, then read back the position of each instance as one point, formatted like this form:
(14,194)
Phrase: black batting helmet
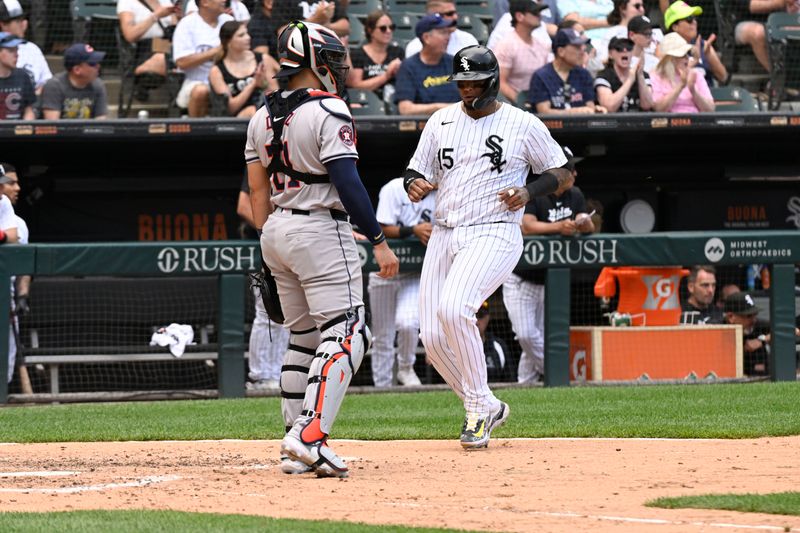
(477,62)
(308,45)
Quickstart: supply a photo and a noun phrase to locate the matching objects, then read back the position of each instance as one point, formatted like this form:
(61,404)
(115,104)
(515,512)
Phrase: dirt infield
(516,485)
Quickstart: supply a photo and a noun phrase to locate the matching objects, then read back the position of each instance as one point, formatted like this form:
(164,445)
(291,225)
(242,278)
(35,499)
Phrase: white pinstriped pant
(394,306)
(463,266)
(524,302)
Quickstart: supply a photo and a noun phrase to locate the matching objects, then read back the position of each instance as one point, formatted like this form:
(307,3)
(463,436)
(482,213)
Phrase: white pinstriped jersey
(395,209)
(312,137)
(472,160)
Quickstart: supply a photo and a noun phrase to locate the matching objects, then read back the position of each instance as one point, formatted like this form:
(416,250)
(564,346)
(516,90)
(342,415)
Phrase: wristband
(546,183)
(406,231)
(409,176)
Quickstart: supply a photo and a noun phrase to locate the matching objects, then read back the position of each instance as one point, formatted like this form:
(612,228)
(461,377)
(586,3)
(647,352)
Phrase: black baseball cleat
(478,427)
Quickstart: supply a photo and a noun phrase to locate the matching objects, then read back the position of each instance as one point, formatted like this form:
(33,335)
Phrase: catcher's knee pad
(294,372)
(345,339)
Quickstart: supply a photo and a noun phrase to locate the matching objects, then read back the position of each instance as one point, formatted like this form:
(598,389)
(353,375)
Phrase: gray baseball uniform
(307,242)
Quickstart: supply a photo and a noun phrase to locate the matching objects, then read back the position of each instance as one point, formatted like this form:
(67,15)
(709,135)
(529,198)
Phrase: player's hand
(568,228)
(423,231)
(419,189)
(359,236)
(752,345)
(387,261)
(515,197)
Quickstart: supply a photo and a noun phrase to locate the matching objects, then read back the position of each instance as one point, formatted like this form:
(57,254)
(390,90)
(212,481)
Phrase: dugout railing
(229,261)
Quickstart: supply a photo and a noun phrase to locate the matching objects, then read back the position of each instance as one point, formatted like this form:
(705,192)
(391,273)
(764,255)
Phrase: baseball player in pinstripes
(394,303)
(301,164)
(477,154)
(563,212)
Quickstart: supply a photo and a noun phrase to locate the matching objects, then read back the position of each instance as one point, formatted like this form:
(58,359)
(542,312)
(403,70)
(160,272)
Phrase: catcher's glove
(269,293)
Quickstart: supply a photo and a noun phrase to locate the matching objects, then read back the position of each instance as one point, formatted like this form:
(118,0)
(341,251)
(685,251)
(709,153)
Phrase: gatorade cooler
(649,293)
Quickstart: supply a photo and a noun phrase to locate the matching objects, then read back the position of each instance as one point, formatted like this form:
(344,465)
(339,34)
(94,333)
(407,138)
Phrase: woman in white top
(148,24)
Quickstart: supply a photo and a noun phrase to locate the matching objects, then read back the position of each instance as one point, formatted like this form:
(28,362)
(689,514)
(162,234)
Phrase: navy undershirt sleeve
(355,199)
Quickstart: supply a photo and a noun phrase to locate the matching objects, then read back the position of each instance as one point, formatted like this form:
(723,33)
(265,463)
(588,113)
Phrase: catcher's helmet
(477,62)
(308,45)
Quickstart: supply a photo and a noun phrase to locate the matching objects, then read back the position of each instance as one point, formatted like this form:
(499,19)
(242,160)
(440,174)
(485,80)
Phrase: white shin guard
(344,341)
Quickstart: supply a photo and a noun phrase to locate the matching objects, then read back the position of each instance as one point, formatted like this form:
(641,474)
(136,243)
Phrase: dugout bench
(226,262)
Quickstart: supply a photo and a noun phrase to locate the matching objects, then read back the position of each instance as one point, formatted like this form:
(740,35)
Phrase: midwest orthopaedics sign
(208,259)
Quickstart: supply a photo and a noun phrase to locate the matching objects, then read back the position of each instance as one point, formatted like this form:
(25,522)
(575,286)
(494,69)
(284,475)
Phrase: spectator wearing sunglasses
(679,87)
(624,11)
(77,93)
(646,38)
(623,86)
(519,54)
(458,38)
(376,62)
(681,18)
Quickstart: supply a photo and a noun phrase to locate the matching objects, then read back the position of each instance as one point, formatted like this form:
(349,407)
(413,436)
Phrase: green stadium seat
(735,99)
(357,35)
(365,103)
(522,101)
(362,8)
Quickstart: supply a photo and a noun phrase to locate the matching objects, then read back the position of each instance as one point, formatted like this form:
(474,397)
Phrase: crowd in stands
(556,56)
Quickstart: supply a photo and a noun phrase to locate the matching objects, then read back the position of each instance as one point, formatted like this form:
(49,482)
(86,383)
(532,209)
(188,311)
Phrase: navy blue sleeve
(537,91)
(355,199)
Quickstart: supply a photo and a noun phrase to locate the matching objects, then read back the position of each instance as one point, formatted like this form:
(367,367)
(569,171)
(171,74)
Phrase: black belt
(335,213)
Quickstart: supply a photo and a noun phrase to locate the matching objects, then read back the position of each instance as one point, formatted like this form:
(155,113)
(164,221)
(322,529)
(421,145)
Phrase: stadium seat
(357,35)
(365,103)
(783,39)
(83,11)
(522,101)
(736,99)
(362,8)
(474,24)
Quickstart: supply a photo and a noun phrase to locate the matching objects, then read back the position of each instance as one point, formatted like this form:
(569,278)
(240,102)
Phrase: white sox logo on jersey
(495,154)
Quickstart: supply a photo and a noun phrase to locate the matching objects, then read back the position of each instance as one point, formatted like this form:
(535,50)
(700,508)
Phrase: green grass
(674,411)
(174,521)
(785,503)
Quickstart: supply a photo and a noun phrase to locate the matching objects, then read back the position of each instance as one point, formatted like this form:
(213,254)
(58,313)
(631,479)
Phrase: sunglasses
(449,13)
(386,29)
(623,48)
(690,19)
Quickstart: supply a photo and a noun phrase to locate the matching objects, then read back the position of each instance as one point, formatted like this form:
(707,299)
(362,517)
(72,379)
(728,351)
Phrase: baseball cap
(6,168)
(640,24)
(526,6)
(81,53)
(571,159)
(741,303)
(674,45)
(568,36)
(10,10)
(678,11)
(618,43)
(8,40)
(432,22)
